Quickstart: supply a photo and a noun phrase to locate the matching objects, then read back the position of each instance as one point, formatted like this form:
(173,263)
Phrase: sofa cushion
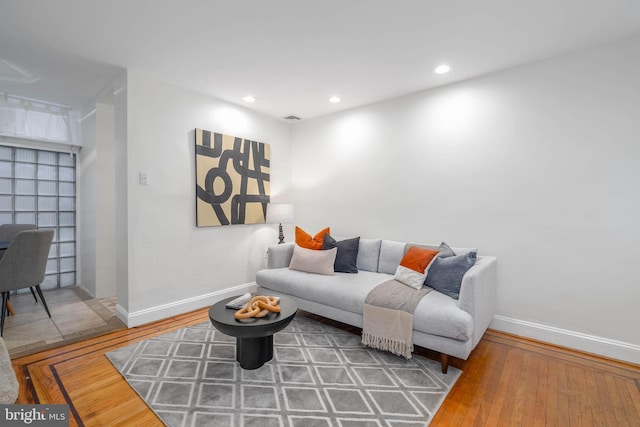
(412,270)
(342,290)
(368,254)
(391,254)
(436,313)
(445,275)
(307,241)
(347,254)
(279,256)
(312,261)
(462,251)
(420,245)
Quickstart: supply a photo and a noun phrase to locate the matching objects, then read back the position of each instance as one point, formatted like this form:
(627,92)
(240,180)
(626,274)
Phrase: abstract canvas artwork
(232,179)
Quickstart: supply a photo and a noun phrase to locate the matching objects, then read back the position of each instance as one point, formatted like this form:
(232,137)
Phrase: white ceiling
(290,54)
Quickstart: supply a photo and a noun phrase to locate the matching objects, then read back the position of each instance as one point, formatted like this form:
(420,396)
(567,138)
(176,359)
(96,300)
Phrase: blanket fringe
(387,344)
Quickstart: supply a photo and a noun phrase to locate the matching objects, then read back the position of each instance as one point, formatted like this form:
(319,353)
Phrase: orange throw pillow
(412,270)
(305,240)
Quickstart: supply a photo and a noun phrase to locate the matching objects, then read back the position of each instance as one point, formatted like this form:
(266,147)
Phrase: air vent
(292,118)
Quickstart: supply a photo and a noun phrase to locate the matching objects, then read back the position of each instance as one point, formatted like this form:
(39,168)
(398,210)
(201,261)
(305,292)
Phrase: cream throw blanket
(387,317)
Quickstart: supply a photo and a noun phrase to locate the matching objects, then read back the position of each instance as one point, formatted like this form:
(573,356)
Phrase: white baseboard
(588,343)
(151,314)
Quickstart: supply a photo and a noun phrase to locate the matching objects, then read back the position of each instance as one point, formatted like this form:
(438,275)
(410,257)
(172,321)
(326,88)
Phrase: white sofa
(441,323)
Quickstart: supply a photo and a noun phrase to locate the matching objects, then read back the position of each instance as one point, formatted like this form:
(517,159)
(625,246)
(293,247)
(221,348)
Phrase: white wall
(121,193)
(96,207)
(537,165)
(86,208)
(172,264)
(105,191)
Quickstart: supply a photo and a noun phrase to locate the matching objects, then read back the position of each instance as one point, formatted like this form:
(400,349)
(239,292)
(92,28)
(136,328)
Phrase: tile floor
(75,316)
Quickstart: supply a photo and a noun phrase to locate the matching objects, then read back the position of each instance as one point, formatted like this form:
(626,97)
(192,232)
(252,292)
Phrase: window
(26,118)
(38,187)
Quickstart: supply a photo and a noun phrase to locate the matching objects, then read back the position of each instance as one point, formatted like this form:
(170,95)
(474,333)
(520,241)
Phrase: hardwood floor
(507,381)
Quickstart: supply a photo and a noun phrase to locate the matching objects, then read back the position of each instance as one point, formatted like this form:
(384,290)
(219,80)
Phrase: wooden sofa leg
(444,361)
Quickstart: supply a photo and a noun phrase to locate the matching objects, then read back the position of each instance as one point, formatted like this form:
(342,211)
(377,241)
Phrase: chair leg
(5,297)
(33,293)
(10,311)
(42,299)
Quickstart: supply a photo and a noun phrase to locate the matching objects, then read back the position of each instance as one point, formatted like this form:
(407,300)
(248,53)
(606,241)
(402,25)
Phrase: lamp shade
(279,213)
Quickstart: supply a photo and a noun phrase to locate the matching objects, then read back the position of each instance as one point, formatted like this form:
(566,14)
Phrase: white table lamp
(279,213)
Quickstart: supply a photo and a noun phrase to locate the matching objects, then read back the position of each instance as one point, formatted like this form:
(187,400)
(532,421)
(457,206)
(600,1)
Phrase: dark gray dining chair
(23,266)
(8,232)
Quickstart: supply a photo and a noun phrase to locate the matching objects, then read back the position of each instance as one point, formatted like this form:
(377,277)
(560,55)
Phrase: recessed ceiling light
(442,69)
(334,99)
(249,98)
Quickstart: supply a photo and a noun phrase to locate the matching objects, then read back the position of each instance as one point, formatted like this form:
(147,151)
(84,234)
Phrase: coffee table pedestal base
(252,353)
(254,337)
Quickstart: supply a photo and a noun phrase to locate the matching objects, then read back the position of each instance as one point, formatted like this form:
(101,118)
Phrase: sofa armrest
(478,294)
(279,256)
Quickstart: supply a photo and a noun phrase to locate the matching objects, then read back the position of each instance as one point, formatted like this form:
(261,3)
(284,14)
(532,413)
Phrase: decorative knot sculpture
(258,306)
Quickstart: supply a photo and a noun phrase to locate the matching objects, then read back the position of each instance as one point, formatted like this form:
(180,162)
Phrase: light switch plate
(144,178)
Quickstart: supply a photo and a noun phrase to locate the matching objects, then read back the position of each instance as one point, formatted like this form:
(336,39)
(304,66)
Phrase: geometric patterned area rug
(319,376)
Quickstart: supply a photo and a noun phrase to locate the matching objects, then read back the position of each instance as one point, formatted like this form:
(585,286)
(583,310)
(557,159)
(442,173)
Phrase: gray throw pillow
(347,256)
(445,274)
(445,251)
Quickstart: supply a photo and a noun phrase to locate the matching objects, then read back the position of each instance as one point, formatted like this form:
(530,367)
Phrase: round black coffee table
(254,337)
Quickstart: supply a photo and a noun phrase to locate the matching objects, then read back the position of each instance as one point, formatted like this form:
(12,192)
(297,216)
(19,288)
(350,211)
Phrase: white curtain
(25,118)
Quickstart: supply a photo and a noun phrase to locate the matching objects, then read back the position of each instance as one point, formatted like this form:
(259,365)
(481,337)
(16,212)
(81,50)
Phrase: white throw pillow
(313,261)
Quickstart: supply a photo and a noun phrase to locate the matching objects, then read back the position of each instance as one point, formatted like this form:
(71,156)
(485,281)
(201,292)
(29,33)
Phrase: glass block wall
(39,187)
